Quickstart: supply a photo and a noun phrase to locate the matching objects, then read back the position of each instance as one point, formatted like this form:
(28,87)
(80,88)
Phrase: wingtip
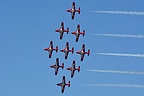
(49,56)
(62,65)
(73,61)
(79,69)
(81,59)
(69,84)
(55,73)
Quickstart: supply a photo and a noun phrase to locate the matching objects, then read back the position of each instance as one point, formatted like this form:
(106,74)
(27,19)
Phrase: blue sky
(27,27)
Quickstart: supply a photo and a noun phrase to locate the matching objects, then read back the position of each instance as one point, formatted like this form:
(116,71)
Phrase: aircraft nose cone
(58,84)
(68,68)
(52,66)
(45,49)
(56,30)
(67,10)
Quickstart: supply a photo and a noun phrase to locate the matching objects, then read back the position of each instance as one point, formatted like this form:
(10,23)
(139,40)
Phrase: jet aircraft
(66,50)
(82,52)
(61,30)
(50,49)
(77,32)
(56,66)
(73,10)
(63,84)
(72,69)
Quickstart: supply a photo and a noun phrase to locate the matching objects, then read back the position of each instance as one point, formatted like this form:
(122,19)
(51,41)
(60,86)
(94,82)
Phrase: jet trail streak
(122,35)
(118,72)
(117,85)
(125,55)
(121,12)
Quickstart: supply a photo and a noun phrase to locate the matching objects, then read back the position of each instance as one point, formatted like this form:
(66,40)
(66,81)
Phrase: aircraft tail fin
(79,10)
(88,52)
(79,69)
(67,30)
(69,84)
(72,50)
(62,65)
(56,48)
(83,32)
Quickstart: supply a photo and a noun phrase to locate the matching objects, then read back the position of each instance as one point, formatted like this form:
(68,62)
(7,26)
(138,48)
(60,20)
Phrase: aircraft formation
(66,50)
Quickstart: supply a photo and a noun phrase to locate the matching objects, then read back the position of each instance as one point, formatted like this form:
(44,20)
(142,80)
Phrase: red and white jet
(82,52)
(63,84)
(66,50)
(56,66)
(61,30)
(50,49)
(72,69)
(77,32)
(73,10)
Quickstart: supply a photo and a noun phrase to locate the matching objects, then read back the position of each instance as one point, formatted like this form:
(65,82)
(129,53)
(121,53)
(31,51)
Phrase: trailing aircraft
(56,66)
(73,69)
(63,84)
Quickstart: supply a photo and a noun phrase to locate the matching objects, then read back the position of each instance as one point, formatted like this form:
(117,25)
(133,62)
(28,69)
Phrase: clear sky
(27,27)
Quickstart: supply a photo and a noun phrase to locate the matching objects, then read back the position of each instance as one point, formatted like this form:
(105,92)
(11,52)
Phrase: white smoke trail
(118,72)
(121,12)
(117,85)
(125,55)
(122,35)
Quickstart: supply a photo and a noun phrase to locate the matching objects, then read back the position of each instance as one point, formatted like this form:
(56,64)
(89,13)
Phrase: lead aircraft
(63,84)
(73,68)
(51,49)
(56,66)
(61,30)
(82,52)
(77,32)
(66,50)
(73,10)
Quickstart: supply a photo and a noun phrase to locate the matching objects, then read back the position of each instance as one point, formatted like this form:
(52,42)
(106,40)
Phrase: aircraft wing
(63,79)
(73,14)
(51,44)
(50,54)
(56,71)
(61,35)
(77,38)
(78,28)
(66,55)
(62,89)
(73,65)
(57,61)
(82,57)
(62,25)
(83,47)
(73,5)
(72,73)
(67,46)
